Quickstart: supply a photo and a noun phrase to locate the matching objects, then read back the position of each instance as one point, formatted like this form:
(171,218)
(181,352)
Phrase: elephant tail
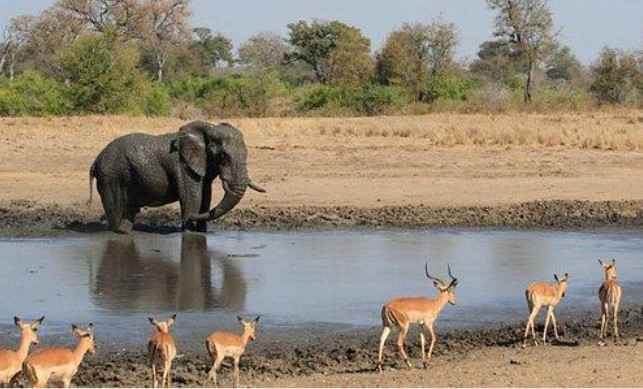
(92,175)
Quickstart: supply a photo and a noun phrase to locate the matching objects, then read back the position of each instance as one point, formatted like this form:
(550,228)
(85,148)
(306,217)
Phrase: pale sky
(586,25)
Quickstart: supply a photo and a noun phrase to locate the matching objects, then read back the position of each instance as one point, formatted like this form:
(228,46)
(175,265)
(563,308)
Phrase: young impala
(543,293)
(610,295)
(161,349)
(222,344)
(11,361)
(56,363)
(403,311)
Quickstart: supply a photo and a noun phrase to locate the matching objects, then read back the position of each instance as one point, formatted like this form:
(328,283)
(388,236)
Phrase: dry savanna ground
(434,160)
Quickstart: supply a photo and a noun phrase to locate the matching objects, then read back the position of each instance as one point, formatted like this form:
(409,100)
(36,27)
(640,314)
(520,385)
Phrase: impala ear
(600,262)
(613,261)
(556,278)
(17,321)
(566,276)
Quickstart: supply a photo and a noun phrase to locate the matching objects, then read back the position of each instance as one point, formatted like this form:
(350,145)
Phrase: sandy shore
(514,170)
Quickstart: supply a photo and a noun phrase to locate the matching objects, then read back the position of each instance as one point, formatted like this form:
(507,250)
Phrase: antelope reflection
(128,278)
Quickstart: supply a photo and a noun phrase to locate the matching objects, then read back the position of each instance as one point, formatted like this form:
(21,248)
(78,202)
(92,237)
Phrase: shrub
(32,94)
(103,76)
(373,99)
(370,99)
(448,87)
(157,101)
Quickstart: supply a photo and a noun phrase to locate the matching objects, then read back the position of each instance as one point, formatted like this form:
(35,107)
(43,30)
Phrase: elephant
(141,170)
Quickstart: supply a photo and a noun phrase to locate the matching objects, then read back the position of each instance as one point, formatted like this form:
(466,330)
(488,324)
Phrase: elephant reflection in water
(128,279)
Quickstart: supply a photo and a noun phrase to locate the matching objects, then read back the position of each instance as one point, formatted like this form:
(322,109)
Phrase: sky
(585,25)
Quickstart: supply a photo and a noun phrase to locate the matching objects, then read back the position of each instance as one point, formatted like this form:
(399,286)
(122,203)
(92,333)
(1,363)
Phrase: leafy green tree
(315,43)
(212,49)
(528,26)
(102,75)
(564,66)
(615,76)
(265,51)
(415,53)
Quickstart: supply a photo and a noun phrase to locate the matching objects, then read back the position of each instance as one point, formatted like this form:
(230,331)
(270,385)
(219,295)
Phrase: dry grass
(610,130)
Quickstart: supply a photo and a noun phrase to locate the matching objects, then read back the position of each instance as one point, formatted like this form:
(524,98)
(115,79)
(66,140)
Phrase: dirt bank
(28,219)
(487,357)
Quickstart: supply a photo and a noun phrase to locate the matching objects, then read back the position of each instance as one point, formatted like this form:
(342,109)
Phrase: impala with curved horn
(401,312)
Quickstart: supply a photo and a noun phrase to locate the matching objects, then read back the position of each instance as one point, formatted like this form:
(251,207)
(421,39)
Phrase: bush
(371,99)
(241,95)
(103,76)
(448,87)
(157,101)
(32,94)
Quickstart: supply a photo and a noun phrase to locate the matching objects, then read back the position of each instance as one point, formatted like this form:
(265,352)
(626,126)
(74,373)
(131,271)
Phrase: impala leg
(430,327)
(547,324)
(553,321)
(164,378)
(400,343)
(168,378)
(212,374)
(422,343)
(530,324)
(66,382)
(604,311)
(615,334)
(236,372)
(154,382)
(385,333)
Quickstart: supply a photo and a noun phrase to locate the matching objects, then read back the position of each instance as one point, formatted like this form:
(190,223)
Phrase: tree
(164,26)
(102,74)
(350,62)
(15,37)
(117,16)
(417,52)
(211,49)
(497,61)
(264,51)
(528,26)
(615,75)
(314,44)
(563,65)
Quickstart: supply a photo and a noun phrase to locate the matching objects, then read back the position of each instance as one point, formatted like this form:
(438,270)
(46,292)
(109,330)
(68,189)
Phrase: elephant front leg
(206,197)
(190,200)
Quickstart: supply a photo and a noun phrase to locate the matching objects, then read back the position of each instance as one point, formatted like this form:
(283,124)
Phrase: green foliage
(157,101)
(616,77)
(448,87)
(241,95)
(370,99)
(103,76)
(32,94)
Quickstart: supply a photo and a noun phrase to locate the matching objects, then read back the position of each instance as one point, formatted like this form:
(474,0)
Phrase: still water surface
(298,278)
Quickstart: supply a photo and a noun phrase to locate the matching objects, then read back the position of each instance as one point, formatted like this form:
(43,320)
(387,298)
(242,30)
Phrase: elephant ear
(192,151)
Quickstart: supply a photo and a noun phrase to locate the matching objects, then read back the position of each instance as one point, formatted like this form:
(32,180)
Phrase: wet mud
(31,219)
(353,351)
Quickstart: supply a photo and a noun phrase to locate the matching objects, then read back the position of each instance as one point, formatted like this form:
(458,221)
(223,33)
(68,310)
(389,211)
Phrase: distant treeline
(143,57)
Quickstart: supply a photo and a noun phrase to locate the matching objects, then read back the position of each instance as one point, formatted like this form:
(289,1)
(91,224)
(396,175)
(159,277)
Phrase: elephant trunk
(234,185)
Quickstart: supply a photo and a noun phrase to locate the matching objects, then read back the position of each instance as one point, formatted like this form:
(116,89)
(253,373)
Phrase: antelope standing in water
(610,294)
(403,311)
(161,349)
(59,364)
(221,344)
(544,293)
(11,361)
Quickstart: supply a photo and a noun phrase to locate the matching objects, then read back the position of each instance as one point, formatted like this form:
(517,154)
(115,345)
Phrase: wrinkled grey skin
(141,170)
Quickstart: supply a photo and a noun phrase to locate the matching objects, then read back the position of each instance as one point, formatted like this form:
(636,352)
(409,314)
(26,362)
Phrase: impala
(161,349)
(221,344)
(11,361)
(403,311)
(610,294)
(58,363)
(544,293)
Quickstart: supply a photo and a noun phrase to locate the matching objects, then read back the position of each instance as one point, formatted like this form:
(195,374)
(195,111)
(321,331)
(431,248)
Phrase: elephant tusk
(255,187)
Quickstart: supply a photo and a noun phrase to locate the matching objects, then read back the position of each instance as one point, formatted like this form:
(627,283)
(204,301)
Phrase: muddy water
(333,279)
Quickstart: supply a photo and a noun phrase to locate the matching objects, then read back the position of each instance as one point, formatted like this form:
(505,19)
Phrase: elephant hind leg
(114,205)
